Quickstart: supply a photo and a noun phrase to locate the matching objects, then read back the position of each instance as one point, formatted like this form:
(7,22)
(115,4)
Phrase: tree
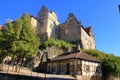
(110,63)
(26,41)
(6,40)
(20,39)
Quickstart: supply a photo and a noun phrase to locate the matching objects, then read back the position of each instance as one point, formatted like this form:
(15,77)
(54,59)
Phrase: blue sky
(102,15)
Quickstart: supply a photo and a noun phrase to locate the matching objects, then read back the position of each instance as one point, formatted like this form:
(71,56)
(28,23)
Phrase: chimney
(78,47)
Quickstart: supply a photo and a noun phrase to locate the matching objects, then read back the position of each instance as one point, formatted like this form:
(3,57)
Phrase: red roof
(88,30)
(0,27)
(73,55)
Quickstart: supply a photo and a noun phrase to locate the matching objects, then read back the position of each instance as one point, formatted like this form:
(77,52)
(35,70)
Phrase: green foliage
(26,38)
(110,63)
(6,37)
(58,43)
(19,39)
(95,53)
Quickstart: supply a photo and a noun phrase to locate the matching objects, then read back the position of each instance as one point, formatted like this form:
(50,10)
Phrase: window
(42,23)
(51,26)
(56,31)
(66,31)
(79,67)
(71,20)
(98,69)
(72,68)
(87,67)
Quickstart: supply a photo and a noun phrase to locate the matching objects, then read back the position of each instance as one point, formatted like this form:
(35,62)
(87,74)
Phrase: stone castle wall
(48,22)
(87,40)
(70,31)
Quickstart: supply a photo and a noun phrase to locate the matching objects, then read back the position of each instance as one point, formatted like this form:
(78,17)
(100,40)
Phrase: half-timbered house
(76,63)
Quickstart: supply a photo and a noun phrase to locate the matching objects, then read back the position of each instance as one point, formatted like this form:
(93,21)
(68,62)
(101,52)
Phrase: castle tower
(48,23)
(70,30)
(73,31)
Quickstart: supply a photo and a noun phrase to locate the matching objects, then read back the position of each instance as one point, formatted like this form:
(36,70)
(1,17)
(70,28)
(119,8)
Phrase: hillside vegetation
(110,62)
(58,43)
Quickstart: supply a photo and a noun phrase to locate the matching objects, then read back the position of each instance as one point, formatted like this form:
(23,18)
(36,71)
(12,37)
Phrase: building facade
(48,23)
(79,64)
(72,30)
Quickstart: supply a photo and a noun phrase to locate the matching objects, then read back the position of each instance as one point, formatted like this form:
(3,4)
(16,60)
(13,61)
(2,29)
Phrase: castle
(77,63)
(48,26)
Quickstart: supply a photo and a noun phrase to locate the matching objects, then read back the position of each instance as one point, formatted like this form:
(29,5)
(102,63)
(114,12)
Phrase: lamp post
(46,56)
(119,8)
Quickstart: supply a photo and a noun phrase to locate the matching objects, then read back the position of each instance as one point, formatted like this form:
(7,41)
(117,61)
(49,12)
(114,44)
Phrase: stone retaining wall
(4,76)
(79,77)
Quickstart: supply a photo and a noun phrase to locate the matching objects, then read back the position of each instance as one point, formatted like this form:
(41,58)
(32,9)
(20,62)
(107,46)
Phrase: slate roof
(74,55)
(0,27)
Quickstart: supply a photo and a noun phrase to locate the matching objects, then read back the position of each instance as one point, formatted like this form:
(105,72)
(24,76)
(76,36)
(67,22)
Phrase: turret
(48,23)
(42,13)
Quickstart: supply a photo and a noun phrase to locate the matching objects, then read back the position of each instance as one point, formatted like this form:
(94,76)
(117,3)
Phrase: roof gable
(74,55)
(71,19)
(43,12)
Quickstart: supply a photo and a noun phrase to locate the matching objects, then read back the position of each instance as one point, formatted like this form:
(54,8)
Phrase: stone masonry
(48,26)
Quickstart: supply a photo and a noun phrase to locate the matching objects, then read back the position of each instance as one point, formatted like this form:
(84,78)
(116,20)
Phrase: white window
(87,68)
(51,26)
(66,31)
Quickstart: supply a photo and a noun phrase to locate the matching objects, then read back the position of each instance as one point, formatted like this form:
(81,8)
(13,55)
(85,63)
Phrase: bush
(58,43)
(110,63)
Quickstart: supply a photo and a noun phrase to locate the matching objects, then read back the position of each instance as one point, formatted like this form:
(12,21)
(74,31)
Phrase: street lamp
(119,8)
(46,56)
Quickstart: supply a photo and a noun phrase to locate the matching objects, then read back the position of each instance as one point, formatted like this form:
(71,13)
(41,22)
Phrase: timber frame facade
(75,63)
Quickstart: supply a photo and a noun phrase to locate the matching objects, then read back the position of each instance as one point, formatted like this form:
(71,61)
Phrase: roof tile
(77,54)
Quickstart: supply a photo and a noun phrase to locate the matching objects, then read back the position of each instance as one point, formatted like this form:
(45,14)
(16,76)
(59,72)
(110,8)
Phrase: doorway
(68,68)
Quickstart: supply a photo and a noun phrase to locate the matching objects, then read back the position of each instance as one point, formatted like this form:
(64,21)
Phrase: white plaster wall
(93,66)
